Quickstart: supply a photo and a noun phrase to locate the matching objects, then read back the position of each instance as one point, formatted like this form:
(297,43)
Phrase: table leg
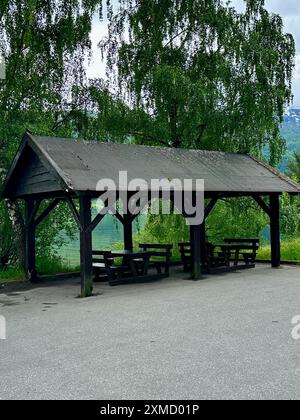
(227,258)
(132,267)
(146,266)
(236,257)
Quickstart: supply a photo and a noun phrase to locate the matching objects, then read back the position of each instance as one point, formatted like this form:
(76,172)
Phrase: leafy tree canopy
(184,73)
(44,44)
(294,167)
(204,75)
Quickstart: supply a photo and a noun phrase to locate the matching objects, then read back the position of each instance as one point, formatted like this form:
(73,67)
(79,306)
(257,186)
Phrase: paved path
(227,336)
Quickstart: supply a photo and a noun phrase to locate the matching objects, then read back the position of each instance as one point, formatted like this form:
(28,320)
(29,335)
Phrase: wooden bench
(162,251)
(186,255)
(104,268)
(249,253)
(211,262)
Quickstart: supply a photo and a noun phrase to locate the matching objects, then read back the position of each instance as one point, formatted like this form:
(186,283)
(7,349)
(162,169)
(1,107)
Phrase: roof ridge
(275,171)
(82,140)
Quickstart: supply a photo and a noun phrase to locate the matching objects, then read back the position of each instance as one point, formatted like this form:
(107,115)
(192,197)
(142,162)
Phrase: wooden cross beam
(262,204)
(95,222)
(74,211)
(119,217)
(210,207)
(48,210)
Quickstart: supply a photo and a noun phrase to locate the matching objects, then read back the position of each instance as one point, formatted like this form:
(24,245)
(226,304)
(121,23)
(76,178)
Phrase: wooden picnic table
(227,248)
(134,260)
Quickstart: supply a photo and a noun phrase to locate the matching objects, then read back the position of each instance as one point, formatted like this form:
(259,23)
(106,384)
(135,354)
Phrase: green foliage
(44,45)
(290,250)
(12,274)
(290,131)
(46,265)
(290,216)
(201,74)
(235,218)
(55,231)
(53,265)
(290,205)
(164,229)
(190,74)
(230,218)
(294,167)
(7,251)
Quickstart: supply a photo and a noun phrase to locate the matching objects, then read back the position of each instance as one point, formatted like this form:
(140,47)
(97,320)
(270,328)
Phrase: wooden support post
(30,240)
(127,225)
(195,238)
(202,240)
(86,247)
(275,230)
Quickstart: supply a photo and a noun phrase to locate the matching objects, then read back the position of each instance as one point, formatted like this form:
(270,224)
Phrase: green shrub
(53,265)
(164,229)
(12,274)
(290,250)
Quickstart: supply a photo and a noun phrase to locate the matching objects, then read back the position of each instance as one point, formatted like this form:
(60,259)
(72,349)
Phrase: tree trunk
(175,138)
(18,230)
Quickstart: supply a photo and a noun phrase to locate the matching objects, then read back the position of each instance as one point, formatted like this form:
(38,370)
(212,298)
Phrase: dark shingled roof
(79,165)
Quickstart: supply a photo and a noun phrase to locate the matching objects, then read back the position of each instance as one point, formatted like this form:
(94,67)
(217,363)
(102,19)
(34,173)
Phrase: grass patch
(45,266)
(54,265)
(290,251)
(11,274)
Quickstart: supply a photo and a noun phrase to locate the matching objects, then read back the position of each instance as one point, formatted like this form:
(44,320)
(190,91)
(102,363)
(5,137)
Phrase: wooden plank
(53,168)
(232,268)
(34,177)
(37,188)
(37,179)
(38,170)
(138,279)
(156,246)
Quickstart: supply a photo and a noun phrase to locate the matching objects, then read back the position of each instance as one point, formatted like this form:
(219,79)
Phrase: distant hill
(291,132)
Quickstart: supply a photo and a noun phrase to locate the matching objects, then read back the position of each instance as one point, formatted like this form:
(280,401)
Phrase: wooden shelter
(58,169)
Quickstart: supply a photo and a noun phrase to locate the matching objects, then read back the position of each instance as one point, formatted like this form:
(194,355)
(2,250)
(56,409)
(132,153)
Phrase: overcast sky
(288,9)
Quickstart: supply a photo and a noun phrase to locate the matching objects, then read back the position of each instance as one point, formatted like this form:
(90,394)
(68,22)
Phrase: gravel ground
(224,337)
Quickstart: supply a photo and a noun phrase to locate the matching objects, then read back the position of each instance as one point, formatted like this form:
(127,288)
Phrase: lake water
(108,233)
